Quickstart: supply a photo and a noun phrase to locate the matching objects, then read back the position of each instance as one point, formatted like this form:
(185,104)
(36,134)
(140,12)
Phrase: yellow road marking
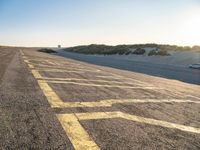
(74,70)
(80,138)
(50,62)
(43,67)
(51,96)
(22,53)
(56,70)
(60,62)
(100,85)
(48,68)
(127,78)
(110,77)
(31,66)
(26,61)
(76,133)
(118,114)
(55,101)
(110,102)
(194,97)
(115,76)
(24,57)
(36,74)
(98,80)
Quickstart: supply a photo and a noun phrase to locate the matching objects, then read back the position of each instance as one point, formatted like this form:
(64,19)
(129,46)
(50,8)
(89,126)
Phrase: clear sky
(80,22)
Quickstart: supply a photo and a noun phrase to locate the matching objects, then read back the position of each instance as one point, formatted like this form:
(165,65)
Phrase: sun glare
(191,26)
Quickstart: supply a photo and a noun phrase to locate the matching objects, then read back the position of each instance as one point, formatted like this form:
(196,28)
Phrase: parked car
(195,66)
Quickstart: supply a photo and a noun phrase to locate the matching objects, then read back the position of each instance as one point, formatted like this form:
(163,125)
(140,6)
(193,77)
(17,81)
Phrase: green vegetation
(47,50)
(99,49)
(129,49)
(158,52)
(139,51)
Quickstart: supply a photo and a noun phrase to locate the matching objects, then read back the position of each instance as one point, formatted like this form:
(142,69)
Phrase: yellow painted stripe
(26,61)
(51,96)
(160,123)
(110,102)
(62,70)
(24,57)
(22,53)
(100,85)
(76,133)
(97,80)
(194,97)
(59,70)
(44,66)
(130,79)
(80,138)
(108,77)
(31,66)
(118,114)
(36,74)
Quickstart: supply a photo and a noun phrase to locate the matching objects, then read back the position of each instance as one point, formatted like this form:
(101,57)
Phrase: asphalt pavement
(50,102)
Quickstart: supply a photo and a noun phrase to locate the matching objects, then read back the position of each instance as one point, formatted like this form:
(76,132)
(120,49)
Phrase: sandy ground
(171,67)
(184,58)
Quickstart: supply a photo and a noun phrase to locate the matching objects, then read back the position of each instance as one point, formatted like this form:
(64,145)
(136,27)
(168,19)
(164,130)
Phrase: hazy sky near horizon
(81,22)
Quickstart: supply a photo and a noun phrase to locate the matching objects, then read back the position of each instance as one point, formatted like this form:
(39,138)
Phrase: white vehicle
(195,66)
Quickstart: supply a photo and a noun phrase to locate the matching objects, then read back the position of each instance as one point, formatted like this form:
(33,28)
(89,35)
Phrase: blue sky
(80,22)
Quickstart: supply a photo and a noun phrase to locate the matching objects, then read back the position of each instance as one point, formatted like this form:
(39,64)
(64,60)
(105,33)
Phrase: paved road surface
(49,102)
(177,72)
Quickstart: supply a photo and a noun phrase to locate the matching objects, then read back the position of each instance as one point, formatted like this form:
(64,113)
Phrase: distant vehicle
(195,66)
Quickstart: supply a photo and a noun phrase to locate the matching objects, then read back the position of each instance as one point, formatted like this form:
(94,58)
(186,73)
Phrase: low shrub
(158,52)
(47,50)
(139,51)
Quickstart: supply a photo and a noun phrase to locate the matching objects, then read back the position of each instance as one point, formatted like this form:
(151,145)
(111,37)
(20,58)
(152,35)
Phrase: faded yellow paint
(22,53)
(80,138)
(108,77)
(118,114)
(27,61)
(59,70)
(51,96)
(110,102)
(71,122)
(72,70)
(127,78)
(36,74)
(76,133)
(31,66)
(101,85)
(97,80)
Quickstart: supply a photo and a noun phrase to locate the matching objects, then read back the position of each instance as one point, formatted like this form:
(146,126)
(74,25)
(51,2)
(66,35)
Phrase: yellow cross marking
(80,138)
